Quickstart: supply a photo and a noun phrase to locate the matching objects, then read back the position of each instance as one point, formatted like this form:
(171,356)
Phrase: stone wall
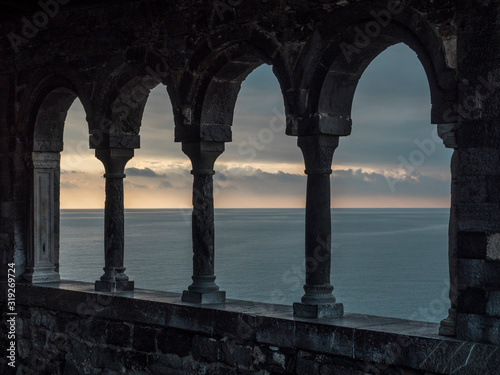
(68,328)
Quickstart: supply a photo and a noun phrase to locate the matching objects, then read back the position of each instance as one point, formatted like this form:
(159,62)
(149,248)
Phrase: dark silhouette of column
(447,326)
(203,289)
(318,300)
(114,278)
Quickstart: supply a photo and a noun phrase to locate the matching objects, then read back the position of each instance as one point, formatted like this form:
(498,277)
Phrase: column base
(447,327)
(114,286)
(331,310)
(203,297)
(39,275)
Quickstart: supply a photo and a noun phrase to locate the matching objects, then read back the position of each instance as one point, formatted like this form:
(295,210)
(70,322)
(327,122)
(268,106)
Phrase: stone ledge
(385,341)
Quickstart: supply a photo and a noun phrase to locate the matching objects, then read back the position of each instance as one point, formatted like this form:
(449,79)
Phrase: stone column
(203,289)
(318,300)
(448,325)
(114,278)
(43,256)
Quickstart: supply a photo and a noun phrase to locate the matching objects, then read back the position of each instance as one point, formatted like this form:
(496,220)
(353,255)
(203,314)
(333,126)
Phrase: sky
(393,157)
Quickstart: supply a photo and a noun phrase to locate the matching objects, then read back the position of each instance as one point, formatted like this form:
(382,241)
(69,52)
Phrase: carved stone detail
(447,132)
(203,289)
(114,277)
(43,255)
(318,300)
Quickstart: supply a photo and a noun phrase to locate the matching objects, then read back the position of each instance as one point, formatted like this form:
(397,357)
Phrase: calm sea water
(390,262)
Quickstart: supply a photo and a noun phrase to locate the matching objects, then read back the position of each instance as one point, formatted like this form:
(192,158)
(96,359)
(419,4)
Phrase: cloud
(142,172)
(391,112)
(165,185)
(129,184)
(257,181)
(64,171)
(357,182)
(68,185)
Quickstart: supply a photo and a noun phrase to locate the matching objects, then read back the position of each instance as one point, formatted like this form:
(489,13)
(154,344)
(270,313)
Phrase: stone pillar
(318,300)
(114,278)
(43,254)
(203,289)
(447,326)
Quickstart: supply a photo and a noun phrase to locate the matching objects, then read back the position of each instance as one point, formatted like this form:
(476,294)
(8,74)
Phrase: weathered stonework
(493,247)
(145,332)
(111,54)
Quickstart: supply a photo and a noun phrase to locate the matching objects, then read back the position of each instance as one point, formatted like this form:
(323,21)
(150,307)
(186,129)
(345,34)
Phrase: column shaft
(318,300)
(203,289)
(318,230)
(203,225)
(114,232)
(114,277)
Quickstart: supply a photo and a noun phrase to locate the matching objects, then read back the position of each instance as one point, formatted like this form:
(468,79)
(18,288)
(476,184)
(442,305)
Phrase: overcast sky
(393,157)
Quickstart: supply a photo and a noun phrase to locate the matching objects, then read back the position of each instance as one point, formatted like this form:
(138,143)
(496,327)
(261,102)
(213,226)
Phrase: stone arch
(217,69)
(123,96)
(47,104)
(341,62)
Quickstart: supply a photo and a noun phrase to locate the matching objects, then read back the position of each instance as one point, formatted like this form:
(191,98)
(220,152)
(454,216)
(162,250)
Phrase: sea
(385,262)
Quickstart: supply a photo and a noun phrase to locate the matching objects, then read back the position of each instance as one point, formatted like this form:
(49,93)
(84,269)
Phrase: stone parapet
(67,327)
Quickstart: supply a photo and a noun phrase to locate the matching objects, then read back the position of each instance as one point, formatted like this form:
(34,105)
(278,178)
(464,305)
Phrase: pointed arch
(122,98)
(216,70)
(45,104)
(342,52)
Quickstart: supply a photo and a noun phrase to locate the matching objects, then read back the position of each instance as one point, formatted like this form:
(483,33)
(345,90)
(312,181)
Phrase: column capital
(448,133)
(114,160)
(46,159)
(318,152)
(203,155)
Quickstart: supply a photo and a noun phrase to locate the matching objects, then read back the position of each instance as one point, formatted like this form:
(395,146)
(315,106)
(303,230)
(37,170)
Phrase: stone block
(306,364)
(109,358)
(81,351)
(175,341)
(482,274)
(194,319)
(326,339)
(471,245)
(493,304)
(206,349)
(144,339)
(333,310)
(238,326)
(203,298)
(274,359)
(478,328)
(471,301)
(93,329)
(493,247)
(117,286)
(235,353)
(480,161)
(136,361)
(278,332)
(119,334)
